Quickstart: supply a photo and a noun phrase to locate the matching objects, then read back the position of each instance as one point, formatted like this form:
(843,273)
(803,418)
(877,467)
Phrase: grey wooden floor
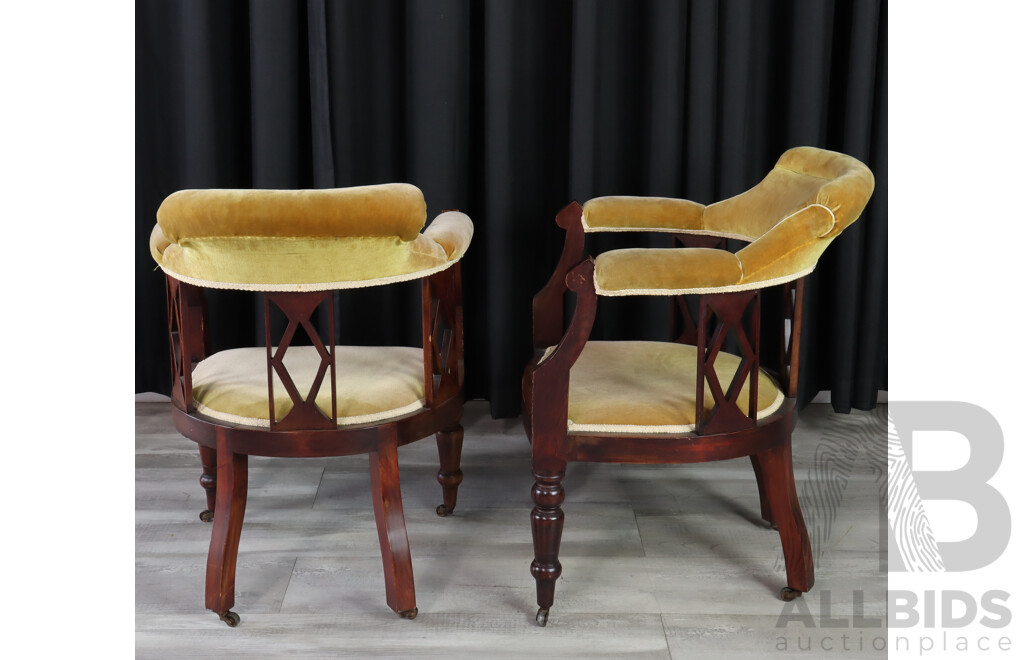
(658,561)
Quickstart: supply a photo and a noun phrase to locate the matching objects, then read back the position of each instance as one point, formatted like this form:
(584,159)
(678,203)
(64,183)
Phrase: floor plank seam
(636,521)
(284,594)
(664,630)
(319,485)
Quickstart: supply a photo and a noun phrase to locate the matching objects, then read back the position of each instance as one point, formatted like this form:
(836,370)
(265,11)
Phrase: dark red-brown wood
(299,309)
(730,429)
(394,540)
(449,450)
(308,431)
(208,480)
(232,488)
(547,304)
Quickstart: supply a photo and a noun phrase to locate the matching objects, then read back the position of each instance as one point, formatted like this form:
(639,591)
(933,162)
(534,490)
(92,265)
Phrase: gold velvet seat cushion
(373,384)
(649,387)
(304,240)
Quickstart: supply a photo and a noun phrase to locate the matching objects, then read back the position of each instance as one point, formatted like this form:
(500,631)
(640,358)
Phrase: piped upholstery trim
(746,286)
(587,229)
(830,212)
(636,429)
(342,421)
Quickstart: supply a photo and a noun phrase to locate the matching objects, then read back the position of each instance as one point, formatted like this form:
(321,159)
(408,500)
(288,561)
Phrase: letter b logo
(912,547)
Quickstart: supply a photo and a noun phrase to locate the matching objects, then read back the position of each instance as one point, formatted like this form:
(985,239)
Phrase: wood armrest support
(443,361)
(547,379)
(189,336)
(548,316)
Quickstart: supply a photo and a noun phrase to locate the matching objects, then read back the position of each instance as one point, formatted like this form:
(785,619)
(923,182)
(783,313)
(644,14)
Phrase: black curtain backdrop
(508,110)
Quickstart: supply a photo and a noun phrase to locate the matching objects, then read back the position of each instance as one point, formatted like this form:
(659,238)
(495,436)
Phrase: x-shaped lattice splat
(727,413)
(299,308)
(441,330)
(180,390)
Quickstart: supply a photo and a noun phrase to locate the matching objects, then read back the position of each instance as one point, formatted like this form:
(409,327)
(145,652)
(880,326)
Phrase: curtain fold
(508,110)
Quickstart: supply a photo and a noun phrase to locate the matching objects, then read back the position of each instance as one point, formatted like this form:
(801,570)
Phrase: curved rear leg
(780,489)
(208,480)
(233,479)
(394,540)
(449,450)
(766,510)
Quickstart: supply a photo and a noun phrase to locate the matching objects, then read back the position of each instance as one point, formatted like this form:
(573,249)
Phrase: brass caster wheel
(542,617)
(409,614)
(230,618)
(206,516)
(789,594)
(443,511)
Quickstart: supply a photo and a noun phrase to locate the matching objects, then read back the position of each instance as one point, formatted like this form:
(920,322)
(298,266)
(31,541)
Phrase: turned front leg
(547,518)
(208,480)
(449,449)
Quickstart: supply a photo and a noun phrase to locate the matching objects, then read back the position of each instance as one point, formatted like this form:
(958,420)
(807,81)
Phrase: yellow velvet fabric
(298,261)
(622,271)
(648,387)
(792,246)
(304,239)
(453,231)
(391,209)
(790,217)
(801,177)
(630,213)
(372,383)
(757,210)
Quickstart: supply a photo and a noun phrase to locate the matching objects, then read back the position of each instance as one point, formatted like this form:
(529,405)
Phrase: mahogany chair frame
(730,429)
(306,431)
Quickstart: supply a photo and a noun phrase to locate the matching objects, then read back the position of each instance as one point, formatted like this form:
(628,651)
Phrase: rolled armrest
(791,248)
(453,231)
(390,209)
(665,272)
(642,214)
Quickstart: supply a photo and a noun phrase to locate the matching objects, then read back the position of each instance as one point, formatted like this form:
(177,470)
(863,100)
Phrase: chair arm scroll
(580,281)
(453,231)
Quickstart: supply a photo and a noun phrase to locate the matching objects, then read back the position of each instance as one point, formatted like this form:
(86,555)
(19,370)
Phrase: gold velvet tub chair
(318,399)
(688,400)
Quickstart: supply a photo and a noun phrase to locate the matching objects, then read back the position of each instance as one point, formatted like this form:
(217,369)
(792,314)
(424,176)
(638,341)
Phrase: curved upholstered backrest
(788,219)
(284,240)
(791,216)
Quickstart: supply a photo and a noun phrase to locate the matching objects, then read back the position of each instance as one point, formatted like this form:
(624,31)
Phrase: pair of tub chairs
(723,388)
